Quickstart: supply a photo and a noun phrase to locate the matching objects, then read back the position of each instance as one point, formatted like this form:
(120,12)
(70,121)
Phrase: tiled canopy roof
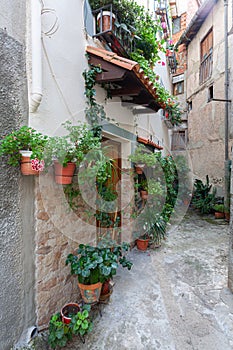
(149,143)
(130,79)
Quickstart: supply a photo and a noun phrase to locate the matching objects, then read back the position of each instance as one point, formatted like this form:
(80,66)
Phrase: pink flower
(37,165)
(164,26)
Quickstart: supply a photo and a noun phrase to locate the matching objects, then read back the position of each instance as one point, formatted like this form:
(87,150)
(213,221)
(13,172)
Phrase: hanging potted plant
(62,153)
(69,150)
(26,147)
(142,157)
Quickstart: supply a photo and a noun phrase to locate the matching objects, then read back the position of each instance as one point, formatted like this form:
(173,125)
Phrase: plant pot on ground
(68,311)
(60,333)
(142,244)
(219,211)
(93,266)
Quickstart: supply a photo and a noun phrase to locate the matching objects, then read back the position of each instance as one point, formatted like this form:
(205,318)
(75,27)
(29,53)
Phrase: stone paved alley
(175,297)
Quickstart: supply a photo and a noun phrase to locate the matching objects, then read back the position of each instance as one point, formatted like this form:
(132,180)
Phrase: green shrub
(203,199)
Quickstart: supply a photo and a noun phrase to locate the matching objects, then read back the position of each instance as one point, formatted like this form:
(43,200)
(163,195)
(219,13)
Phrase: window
(210,93)
(179,140)
(206,57)
(190,105)
(176,25)
(178,88)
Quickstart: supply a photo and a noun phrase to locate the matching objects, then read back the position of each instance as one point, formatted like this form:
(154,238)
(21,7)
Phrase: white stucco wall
(63,61)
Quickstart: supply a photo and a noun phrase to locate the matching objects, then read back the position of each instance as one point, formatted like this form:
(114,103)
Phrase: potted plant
(219,210)
(60,332)
(142,157)
(152,227)
(116,253)
(142,240)
(68,310)
(70,149)
(227,213)
(93,266)
(22,146)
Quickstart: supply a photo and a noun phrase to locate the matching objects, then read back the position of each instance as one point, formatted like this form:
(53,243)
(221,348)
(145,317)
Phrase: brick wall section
(181,54)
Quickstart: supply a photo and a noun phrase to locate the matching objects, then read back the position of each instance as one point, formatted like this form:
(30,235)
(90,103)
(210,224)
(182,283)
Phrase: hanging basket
(90,292)
(26,163)
(64,175)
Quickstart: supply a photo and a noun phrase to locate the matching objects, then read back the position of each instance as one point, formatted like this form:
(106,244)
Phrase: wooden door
(109,220)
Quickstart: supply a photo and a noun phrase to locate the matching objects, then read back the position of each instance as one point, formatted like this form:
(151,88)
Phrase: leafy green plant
(80,323)
(73,146)
(142,156)
(26,138)
(60,333)
(219,208)
(151,225)
(203,199)
(97,264)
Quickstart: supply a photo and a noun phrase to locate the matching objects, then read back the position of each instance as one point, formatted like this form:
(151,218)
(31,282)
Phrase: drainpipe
(227,161)
(36,87)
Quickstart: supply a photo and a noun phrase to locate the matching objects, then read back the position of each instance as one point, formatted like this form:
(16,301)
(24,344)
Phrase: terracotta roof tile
(129,65)
(149,142)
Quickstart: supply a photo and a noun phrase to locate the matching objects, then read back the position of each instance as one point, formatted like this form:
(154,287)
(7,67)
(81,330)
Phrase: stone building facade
(205,82)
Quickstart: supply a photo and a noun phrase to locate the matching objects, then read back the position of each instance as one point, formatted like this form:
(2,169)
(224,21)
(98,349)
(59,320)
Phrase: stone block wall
(59,231)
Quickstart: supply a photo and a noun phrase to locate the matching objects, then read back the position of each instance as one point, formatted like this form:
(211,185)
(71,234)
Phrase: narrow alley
(175,297)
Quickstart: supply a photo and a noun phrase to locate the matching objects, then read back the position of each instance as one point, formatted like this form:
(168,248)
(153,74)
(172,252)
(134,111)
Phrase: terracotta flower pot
(68,310)
(142,244)
(90,292)
(106,290)
(227,216)
(106,21)
(144,194)
(64,175)
(26,163)
(139,168)
(219,215)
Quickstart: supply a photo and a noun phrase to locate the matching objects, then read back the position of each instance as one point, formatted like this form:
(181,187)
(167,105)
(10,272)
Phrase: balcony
(179,140)
(118,37)
(206,68)
(171,59)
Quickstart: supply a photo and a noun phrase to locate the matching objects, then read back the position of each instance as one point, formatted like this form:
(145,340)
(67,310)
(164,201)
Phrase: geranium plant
(26,138)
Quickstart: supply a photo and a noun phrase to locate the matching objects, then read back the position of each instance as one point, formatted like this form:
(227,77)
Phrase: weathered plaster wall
(206,120)
(16,192)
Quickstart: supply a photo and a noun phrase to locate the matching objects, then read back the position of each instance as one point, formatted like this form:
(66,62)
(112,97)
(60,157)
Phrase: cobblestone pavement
(175,297)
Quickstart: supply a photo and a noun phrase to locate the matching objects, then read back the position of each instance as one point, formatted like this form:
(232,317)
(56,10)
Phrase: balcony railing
(206,68)
(171,57)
